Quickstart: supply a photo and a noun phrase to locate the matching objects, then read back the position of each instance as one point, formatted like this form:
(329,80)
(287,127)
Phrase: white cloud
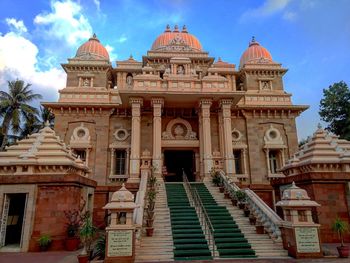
(112,55)
(19,60)
(65,22)
(16,25)
(289,15)
(268,8)
(122,39)
(98,5)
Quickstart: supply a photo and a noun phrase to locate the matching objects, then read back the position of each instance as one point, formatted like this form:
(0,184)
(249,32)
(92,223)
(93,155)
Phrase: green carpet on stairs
(189,240)
(229,240)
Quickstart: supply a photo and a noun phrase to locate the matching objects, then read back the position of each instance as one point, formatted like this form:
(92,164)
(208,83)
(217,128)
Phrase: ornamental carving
(273,138)
(179,129)
(121,134)
(80,134)
(236,135)
(80,137)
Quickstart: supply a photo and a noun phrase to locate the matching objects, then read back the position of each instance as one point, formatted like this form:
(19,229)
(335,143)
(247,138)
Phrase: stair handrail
(140,200)
(205,220)
(264,214)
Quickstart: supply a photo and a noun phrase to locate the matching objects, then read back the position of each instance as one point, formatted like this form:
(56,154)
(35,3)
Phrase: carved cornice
(136,100)
(227,103)
(157,101)
(205,102)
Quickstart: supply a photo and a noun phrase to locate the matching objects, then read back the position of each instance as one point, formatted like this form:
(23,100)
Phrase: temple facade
(191,112)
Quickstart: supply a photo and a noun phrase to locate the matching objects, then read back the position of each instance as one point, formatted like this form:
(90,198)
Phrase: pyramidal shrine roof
(45,149)
(322,149)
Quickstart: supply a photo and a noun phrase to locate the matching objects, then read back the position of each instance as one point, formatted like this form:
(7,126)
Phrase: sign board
(307,240)
(119,243)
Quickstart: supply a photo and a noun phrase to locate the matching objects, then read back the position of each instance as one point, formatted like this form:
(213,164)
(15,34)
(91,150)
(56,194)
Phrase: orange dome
(92,49)
(255,54)
(176,40)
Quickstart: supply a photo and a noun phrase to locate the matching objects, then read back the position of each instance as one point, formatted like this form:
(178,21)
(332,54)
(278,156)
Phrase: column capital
(205,102)
(136,100)
(157,101)
(227,103)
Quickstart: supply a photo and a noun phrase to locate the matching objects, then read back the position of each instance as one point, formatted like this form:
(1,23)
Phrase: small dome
(92,49)
(169,39)
(255,54)
(295,196)
(122,195)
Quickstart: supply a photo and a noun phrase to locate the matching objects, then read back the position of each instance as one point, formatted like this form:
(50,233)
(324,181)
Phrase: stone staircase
(159,247)
(262,244)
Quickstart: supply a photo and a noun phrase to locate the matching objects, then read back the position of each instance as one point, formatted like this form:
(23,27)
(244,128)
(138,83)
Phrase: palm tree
(35,122)
(14,105)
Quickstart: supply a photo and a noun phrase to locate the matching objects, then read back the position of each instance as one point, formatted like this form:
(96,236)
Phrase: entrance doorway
(177,162)
(15,217)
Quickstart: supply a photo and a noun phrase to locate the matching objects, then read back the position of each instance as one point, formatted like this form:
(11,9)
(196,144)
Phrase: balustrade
(261,211)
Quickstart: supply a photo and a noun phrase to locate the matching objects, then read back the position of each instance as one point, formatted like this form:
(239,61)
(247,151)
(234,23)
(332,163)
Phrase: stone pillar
(227,133)
(120,234)
(206,135)
(112,161)
(301,236)
(136,104)
(157,104)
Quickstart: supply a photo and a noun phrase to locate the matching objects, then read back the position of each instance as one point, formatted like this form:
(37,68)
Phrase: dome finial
(94,35)
(176,28)
(167,28)
(253,41)
(184,29)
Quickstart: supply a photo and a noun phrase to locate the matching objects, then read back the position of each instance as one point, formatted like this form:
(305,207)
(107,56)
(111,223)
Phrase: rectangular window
(237,156)
(81,154)
(120,161)
(273,155)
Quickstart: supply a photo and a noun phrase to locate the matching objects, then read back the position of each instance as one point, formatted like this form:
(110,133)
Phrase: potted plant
(341,227)
(233,198)
(252,219)
(241,197)
(151,197)
(87,234)
(215,177)
(44,242)
(260,229)
(246,210)
(73,223)
(152,181)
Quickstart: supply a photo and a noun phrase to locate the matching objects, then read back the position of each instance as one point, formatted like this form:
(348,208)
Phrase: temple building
(192,112)
(137,144)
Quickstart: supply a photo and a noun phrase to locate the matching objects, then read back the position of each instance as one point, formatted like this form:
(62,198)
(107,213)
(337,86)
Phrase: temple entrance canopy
(177,162)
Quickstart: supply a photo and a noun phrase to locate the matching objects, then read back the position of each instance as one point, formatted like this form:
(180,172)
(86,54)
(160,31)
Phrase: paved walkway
(39,257)
(71,257)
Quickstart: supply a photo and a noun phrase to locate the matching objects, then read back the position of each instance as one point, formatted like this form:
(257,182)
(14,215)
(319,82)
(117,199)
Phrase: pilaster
(136,104)
(225,105)
(157,104)
(205,105)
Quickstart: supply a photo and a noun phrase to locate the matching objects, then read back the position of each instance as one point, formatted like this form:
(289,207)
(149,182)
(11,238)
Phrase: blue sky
(309,37)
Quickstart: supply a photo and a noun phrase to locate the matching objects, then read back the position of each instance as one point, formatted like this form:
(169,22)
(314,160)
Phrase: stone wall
(331,191)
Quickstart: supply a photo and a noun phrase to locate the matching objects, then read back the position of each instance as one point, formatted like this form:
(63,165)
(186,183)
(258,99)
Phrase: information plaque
(119,243)
(307,240)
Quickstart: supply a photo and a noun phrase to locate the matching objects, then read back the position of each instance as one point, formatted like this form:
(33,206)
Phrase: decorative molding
(80,137)
(121,134)
(179,129)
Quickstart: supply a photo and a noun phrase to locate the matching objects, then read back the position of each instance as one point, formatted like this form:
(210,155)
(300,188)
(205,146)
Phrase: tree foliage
(335,109)
(15,106)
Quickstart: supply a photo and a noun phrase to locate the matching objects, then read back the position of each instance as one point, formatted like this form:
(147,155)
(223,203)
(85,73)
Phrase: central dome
(176,41)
